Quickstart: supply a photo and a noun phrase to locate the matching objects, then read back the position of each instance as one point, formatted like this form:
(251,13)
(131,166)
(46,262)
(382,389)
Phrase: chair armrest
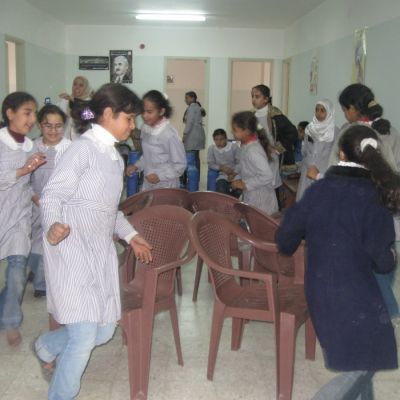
(190,253)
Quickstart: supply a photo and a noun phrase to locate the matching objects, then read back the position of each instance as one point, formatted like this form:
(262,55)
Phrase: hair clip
(87,114)
(368,142)
(372,103)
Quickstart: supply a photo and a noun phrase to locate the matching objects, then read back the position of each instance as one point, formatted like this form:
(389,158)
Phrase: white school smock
(163,154)
(84,192)
(15,197)
(39,179)
(228,156)
(256,173)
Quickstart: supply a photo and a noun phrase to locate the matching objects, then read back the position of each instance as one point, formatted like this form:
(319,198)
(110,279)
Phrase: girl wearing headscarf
(81,91)
(319,138)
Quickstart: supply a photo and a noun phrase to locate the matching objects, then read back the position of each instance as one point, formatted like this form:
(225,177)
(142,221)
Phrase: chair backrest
(136,203)
(264,227)
(169,196)
(218,202)
(166,228)
(210,233)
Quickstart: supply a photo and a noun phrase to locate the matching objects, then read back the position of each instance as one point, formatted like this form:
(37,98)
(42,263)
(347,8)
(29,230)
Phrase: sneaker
(39,293)
(46,368)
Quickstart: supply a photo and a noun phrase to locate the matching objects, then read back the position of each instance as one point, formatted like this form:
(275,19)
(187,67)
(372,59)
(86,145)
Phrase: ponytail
(355,145)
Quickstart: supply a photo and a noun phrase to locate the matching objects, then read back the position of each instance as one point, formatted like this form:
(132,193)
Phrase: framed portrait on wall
(121,66)
(359,56)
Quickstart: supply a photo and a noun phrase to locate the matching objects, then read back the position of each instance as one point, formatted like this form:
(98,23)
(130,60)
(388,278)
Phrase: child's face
(78,87)
(188,100)
(120,125)
(351,114)
(23,118)
(220,141)
(320,112)
(240,134)
(152,115)
(300,132)
(258,100)
(52,128)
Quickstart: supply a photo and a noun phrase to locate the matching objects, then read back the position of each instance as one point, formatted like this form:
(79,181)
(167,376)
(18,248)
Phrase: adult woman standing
(81,91)
(194,137)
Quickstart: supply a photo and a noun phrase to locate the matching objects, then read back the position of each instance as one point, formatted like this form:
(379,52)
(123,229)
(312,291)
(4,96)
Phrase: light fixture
(171,16)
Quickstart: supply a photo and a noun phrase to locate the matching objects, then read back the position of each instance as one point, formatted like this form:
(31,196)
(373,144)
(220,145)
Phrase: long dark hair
(386,181)
(14,101)
(362,99)
(247,120)
(193,96)
(116,96)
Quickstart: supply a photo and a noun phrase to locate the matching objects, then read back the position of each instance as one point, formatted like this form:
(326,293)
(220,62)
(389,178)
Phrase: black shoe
(39,293)
(31,277)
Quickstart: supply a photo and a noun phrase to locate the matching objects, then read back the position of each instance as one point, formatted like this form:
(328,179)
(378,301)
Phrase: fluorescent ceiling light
(169,16)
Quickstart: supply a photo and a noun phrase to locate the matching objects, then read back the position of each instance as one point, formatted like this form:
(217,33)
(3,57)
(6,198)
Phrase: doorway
(14,64)
(245,75)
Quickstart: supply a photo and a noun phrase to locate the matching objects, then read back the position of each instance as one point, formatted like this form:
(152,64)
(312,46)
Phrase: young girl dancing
(346,221)
(80,216)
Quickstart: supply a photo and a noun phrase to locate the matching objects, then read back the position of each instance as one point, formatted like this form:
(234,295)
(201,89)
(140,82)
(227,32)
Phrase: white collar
(262,112)
(224,149)
(9,141)
(350,164)
(60,145)
(156,129)
(103,139)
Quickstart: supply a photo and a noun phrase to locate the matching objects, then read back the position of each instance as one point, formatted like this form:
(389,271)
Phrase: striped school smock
(15,197)
(83,192)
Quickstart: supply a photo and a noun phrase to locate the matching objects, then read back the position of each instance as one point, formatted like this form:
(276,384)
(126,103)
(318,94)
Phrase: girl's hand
(152,178)
(312,172)
(238,184)
(142,249)
(57,233)
(130,169)
(32,163)
(35,200)
(226,170)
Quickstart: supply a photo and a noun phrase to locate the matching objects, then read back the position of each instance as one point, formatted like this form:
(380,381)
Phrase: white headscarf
(323,131)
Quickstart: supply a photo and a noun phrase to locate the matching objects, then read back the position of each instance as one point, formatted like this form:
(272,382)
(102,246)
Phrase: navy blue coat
(349,234)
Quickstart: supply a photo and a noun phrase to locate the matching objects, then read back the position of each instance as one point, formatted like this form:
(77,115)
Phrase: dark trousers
(223,186)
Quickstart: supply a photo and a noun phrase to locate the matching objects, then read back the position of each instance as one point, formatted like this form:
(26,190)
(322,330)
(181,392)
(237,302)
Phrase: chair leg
(199,267)
(53,324)
(286,356)
(216,329)
(237,333)
(138,329)
(310,340)
(179,281)
(175,328)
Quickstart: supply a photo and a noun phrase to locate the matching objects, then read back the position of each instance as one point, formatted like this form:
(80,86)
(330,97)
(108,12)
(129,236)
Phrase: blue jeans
(35,262)
(12,293)
(72,346)
(352,385)
(385,282)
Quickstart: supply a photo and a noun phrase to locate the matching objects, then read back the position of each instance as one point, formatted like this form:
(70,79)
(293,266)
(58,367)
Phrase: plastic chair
(174,197)
(152,288)
(136,203)
(282,305)
(222,204)
(289,269)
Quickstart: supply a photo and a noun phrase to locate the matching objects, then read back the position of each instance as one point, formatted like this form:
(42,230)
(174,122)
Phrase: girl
(346,221)
(163,160)
(255,177)
(52,144)
(19,115)
(280,131)
(81,91)
(80,215)
(194,137)
(319,136)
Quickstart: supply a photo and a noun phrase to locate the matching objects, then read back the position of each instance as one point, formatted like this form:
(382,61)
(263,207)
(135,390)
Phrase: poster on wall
(121,66)
(359,56)
(94,62)
(314,75)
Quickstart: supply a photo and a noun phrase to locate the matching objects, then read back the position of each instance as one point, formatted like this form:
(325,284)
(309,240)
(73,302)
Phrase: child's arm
(190,120)
(211,161)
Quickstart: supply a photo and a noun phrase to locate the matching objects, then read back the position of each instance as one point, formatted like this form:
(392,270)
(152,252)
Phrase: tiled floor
(246,374)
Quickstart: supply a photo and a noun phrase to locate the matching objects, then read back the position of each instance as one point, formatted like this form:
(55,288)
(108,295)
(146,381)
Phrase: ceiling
(272,14)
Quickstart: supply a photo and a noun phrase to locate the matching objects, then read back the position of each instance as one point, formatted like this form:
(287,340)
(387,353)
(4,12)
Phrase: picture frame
(121,66)
(94,63)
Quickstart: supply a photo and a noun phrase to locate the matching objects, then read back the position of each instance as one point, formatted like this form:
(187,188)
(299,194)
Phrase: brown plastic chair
(263,227)
(152,288)
(222,204)
(284,306)
(136,203)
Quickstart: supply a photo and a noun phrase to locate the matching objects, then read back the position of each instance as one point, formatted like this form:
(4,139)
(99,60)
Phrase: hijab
(323,131)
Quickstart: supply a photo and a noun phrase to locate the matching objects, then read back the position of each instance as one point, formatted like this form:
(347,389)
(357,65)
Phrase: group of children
(348,197)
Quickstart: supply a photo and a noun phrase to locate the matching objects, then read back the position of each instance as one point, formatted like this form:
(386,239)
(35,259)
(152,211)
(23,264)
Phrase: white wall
(327,31)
